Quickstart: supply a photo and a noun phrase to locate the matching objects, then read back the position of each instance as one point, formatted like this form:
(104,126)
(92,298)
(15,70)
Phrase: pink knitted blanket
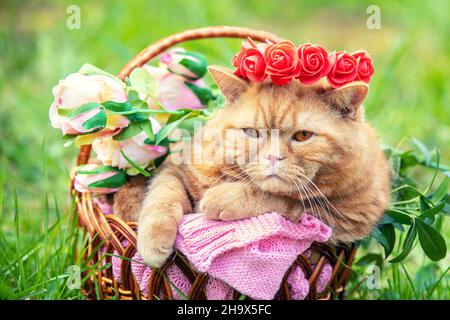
(251,255)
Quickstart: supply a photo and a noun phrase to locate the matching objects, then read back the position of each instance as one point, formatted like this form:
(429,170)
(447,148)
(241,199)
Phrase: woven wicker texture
(109,232)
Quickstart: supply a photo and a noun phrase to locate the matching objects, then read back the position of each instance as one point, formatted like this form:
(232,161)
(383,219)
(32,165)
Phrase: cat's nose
(274,158)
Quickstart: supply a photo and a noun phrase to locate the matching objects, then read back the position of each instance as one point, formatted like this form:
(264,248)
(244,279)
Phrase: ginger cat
(327,162)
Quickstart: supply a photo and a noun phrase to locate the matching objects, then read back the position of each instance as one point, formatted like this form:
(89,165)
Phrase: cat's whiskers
(311,198)
(299,185)
(325,198)
(329,219)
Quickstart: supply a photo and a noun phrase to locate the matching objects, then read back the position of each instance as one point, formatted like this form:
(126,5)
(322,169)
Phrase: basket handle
(194,34)
(160,46)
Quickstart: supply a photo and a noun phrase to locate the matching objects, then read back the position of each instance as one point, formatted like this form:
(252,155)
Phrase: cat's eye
(254,133)
(302,135)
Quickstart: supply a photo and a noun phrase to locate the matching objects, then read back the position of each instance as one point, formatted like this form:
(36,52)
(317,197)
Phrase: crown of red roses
(308,63)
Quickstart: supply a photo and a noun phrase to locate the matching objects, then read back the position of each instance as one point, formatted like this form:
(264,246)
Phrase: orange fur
(340,174)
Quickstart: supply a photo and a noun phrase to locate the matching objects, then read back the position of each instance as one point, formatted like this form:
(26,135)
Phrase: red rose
(315,63)
(365,66)
(250,62)
(343,70)
(282,62)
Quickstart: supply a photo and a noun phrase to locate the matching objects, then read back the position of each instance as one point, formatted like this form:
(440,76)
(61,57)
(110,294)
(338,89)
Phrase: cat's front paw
(218,204)
(156,237)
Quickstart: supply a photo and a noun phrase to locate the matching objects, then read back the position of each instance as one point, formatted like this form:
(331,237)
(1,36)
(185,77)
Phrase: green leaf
(129,132)
(424,204)
(407,245)
(408,159)
(424,150)
(433,244)
(430,213)
(142,81)
(81,109)
(379,236)
(168,128)
(203,94)
(96,122)
(198,65)
(68,139)
(146,126)
(141,170)
(389,233)
(133,95)
(399,216)
(127,109)
(385,235)
(409,192)
(369,259)
(442,190)
(115,181)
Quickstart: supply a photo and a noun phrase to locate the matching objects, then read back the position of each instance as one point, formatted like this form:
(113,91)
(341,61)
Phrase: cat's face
(290,135)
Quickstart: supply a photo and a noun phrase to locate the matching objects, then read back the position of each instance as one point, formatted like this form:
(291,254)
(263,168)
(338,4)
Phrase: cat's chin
(273,184)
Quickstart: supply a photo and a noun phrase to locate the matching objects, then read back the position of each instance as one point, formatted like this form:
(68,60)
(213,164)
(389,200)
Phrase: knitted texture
(251,255)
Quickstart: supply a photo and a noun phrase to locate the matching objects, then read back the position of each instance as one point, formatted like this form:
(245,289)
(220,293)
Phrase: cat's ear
(347,99)
(229,84)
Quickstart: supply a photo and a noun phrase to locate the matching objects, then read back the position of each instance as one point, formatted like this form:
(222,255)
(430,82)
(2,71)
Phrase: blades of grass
(17,233)
(423,149)
(410,282)
(430,293)
(2,177)
(173,285)
(441,190)
(438,160)
(46,219)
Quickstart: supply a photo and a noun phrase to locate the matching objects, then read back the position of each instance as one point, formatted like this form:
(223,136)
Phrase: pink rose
(250,61)
(77,90)
(176,92)
(343,70)
(365,66)
(187,64)
(315,63)
(135,148)
(282,62)
(98,179)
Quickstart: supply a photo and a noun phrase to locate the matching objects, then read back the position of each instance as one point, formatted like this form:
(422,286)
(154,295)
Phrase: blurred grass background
(409,97)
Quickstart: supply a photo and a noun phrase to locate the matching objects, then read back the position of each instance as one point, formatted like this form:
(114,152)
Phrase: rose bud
(315,63)
(282,62)
(98,179)
(343,70)
(250,63)
(176,92)
(137,148)
(187,64)
(76,108)
(365,66)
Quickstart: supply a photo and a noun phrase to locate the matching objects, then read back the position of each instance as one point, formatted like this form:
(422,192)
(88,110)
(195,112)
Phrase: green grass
(409,98)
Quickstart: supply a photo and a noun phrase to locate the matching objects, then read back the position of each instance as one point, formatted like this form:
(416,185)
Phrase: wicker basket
(109,232)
